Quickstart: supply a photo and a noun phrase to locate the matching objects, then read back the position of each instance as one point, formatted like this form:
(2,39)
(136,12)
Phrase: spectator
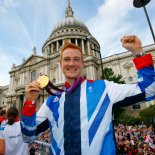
(137,144)
(11,141)
(32,149)
(2,117)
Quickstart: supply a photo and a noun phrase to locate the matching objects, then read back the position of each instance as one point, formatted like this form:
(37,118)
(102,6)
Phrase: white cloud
(114,19)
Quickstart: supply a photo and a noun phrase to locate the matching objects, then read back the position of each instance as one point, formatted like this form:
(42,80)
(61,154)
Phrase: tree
(148,115)
(109,75)
(122,118)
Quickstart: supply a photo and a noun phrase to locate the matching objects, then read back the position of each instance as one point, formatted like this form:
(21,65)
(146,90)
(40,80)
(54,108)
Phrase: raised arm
(132,43)
(144,89)
(33,123)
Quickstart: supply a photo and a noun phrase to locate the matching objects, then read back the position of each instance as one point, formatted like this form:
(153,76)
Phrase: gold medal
(43,80)
(47,84)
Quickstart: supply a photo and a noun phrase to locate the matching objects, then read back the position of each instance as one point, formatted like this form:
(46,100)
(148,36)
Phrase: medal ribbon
(51,86)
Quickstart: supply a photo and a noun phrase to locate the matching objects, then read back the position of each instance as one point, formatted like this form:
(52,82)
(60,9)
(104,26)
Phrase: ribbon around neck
(64,89)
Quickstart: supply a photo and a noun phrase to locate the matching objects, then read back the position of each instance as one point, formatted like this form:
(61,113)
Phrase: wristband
(30,102)
(137,55)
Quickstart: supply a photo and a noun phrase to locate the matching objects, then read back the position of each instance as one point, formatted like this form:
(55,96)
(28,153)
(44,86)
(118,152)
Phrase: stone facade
(3,96)
(71,30)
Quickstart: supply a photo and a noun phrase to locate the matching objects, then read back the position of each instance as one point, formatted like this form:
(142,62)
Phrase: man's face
(71,63)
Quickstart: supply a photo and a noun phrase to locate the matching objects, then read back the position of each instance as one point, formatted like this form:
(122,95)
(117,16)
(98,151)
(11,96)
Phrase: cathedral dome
(70,22)
(69,29)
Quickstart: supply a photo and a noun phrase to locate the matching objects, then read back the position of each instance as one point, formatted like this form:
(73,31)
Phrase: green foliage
(126,119)
(148,115)
(109,75)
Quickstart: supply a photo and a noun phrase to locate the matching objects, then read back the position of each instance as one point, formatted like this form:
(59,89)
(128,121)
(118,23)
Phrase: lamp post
(142,3)
(89,38)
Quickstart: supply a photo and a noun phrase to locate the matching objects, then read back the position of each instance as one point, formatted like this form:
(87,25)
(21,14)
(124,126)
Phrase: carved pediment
(31,60)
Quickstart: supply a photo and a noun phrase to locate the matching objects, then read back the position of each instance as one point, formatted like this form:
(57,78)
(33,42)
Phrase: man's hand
(32,91)
(132,43)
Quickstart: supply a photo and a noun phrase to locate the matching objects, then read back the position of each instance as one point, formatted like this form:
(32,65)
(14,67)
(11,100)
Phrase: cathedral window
(130,78)
(33,75)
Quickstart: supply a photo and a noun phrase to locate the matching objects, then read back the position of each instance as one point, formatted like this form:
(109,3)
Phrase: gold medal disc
(43,80)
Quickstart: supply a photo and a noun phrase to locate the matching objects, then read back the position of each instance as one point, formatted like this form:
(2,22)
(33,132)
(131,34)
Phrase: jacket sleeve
(2,146)
(143,90)
(32,123)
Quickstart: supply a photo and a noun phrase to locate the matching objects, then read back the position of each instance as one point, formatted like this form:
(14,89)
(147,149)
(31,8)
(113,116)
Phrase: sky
(28,23)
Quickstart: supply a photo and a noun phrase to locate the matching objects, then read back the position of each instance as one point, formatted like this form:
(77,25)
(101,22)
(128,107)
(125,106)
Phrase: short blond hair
(70,45)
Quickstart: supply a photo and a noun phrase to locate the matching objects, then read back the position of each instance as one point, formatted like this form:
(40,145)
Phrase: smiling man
(71,61)
(80,118)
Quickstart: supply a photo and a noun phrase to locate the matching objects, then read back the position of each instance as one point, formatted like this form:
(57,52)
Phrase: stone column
(76,42)
(11,83)
(51,48)
(93,52)
(23,78)
(20,79)
(83,47)
(88,47)
(57,46)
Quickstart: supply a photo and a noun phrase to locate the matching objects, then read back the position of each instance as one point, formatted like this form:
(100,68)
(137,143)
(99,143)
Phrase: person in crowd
(2,117)
(11,141)
(80,118)
(137,145)
(32,149)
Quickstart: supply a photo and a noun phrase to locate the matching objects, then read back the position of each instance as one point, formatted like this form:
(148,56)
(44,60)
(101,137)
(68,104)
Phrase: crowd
(130,140)
(35,147)
(135,140)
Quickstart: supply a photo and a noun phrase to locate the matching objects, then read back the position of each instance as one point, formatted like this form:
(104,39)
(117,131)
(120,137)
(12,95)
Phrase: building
(4,90)
(69,29)
(75,31)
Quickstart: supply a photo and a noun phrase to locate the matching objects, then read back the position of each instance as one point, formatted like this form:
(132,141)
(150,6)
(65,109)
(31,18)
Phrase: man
(81,117)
